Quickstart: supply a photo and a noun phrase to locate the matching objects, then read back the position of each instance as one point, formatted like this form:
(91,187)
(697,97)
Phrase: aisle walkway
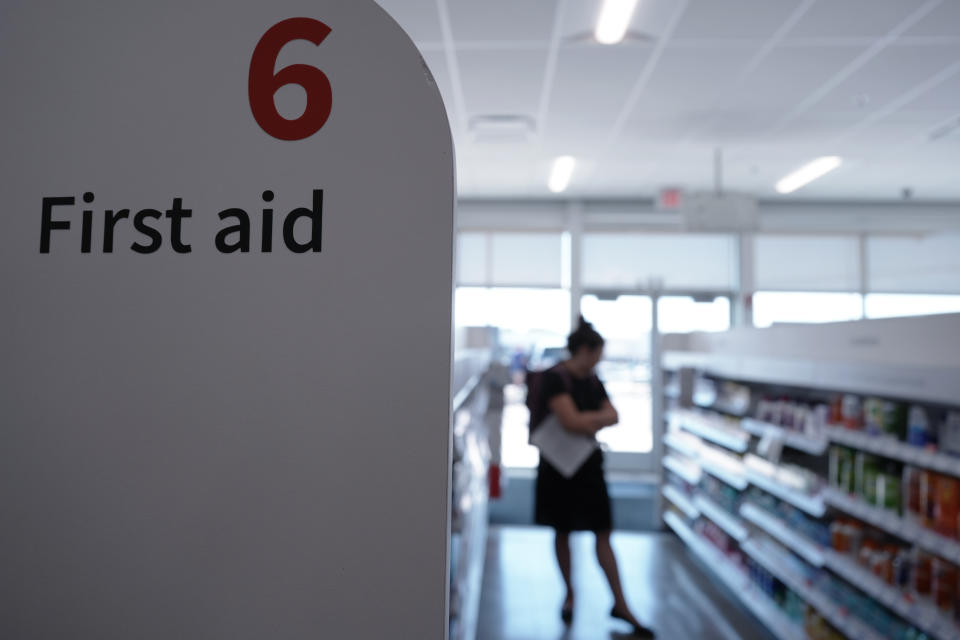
(522,591)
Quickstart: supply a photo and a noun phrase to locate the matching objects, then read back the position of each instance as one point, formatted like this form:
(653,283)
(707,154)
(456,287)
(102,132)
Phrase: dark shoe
(639,630)
(566,614)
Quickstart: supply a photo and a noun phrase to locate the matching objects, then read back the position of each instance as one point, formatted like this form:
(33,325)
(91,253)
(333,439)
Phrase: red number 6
(263,83)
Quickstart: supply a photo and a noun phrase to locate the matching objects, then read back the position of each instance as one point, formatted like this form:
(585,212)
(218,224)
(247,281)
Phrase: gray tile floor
(668,589)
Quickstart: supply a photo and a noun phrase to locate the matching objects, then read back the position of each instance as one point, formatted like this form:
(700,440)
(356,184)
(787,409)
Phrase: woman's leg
(562,546)
(608,562)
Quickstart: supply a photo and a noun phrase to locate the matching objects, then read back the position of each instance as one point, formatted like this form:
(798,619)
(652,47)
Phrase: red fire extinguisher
(494,476)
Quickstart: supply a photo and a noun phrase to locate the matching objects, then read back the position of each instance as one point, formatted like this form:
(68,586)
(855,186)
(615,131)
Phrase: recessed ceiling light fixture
(502,128)
(614,20)
(808,173)
(561,173)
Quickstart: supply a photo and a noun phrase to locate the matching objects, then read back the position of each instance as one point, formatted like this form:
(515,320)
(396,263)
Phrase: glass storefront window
(772,307)
(532,322)
(684,314)
(893,305)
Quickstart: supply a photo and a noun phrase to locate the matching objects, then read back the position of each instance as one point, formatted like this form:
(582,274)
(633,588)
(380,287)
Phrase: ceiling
(771,83)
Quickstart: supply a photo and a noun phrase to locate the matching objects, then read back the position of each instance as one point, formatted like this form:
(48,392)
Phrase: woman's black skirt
(578,503)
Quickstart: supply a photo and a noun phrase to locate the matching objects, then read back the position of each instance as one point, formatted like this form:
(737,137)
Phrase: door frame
(645,464)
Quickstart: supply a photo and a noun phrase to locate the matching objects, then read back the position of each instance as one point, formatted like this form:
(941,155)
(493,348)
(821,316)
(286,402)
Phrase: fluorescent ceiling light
(561,173)
(808,173)
(614,20)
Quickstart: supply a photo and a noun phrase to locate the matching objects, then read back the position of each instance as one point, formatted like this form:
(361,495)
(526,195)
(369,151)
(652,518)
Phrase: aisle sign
(226,282)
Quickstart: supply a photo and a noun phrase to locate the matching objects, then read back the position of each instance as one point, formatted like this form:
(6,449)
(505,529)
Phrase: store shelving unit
(711,428)
(686,506)
(683,443)
(812,504)
(689,471)
(891,523)
(733,577)
(910,361)
(721,517)
(922,614)
(468,525)
(890,448)
(769,558)
(725,469)
(781,531)
(792,439)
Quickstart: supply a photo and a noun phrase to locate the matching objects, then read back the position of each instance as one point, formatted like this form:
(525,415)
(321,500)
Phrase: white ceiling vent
(502,128)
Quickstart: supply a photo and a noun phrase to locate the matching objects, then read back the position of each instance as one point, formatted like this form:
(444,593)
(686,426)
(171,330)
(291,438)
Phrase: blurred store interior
(757,204)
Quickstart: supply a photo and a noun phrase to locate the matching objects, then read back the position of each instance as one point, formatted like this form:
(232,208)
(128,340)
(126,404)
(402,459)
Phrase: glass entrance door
(625,323)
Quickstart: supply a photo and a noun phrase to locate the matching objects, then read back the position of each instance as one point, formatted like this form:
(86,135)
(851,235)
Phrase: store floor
(665,585)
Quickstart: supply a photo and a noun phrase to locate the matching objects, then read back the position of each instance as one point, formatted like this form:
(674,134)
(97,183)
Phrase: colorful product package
(946,506)
(919,431)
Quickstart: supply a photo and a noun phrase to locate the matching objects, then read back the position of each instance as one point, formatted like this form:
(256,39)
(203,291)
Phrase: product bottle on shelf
(851,412)
(919,432)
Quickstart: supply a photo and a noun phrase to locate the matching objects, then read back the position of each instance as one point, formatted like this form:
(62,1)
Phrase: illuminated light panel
(808,173)
(614,20)
(561,173)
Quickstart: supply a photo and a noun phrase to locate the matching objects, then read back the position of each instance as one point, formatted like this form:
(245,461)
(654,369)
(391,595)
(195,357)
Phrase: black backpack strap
(536,403)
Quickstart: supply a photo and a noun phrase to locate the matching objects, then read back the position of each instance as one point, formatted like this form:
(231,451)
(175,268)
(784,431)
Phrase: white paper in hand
(564,450)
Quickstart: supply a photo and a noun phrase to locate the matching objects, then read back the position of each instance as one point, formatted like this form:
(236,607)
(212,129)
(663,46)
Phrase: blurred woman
(575,395)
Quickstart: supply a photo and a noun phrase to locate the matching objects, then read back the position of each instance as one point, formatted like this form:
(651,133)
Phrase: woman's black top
(581,502)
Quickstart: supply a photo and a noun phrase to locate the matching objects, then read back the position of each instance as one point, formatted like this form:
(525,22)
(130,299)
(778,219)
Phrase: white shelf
(757,602)
(685,443)
(868,358)
(811,504)
(850,626)
(686,470)
(777,528)
(719,408)
(730,473)
(792,439)
(680,500)
(921,614)
(721,517)
(890,448)
(711,428)
(890,522)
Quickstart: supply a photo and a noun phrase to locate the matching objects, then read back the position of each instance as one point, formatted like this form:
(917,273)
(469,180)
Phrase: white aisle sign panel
(226,281)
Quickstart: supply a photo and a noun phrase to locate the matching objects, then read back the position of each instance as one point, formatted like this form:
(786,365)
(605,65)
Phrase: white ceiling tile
(689,79)
(845,18)
(942,21)
(944,96)
(728,19)
(580,138)
(419,18)
(889,75)
(502,81)
(502,20)
(592,82)
(787,76)
(653,167)
(652,17)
